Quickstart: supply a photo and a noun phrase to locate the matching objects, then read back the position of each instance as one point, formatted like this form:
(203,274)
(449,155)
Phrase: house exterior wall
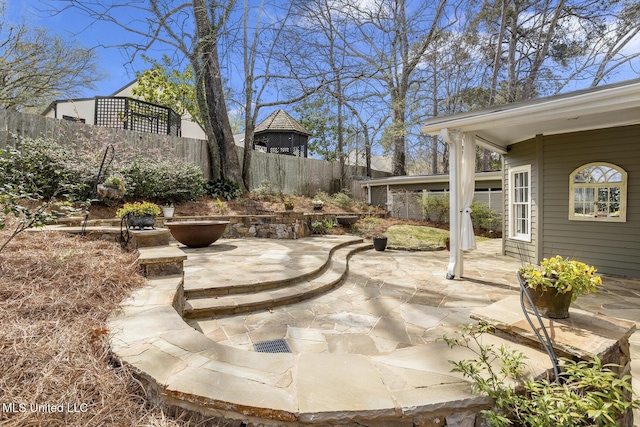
(522,154)
(613,247)
(84,109)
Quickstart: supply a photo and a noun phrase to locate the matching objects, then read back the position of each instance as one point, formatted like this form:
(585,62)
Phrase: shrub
(223,188)
(436,208)
(323,197)
(12,198)
(266,190)
(140,208)
(42,167)
(163,180)
(322,226)
(482,216)
(586,394)
(342,200)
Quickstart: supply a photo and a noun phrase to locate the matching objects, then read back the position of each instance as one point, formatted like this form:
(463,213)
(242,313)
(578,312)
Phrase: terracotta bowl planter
(196,234)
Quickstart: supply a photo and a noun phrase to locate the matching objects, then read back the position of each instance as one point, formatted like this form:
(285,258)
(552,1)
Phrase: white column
(454,140)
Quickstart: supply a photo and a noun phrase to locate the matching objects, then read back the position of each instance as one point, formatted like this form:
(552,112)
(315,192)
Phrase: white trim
(427,179)
(525,237)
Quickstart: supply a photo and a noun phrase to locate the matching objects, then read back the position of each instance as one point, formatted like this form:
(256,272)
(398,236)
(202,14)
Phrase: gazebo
(281,134)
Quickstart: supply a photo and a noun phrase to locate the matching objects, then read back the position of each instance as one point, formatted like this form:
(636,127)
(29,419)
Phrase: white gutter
(426,179)
(569,105)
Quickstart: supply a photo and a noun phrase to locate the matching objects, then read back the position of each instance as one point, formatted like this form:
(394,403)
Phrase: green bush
(322,226)
(482,216)
(587,393)
(436,208)
(266,190)
(323,196)
(342,200)
(223,188)
(163,180)
(42,167)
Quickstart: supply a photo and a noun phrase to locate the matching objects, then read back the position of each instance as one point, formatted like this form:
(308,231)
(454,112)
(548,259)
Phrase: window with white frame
(598,192)
(520,203)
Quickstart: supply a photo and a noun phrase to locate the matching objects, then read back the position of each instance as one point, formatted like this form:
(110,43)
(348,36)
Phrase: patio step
(288,291)
(221,288)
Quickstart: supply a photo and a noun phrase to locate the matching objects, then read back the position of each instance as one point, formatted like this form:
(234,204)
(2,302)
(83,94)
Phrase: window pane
(598,192)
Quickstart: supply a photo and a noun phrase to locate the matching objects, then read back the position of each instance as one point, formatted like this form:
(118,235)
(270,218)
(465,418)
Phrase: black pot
(140,221)
(379,243)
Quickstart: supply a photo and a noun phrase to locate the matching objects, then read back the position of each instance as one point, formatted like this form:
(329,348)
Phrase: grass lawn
(417,237)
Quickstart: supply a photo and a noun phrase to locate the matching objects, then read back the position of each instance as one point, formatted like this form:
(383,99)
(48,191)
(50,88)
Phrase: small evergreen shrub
(163,180)
(342,200)
(436,208)
(484,217)
(42,167)
(266,190)
(223,189)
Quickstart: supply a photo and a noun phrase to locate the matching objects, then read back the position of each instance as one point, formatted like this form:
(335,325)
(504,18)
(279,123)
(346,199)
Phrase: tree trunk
(218,119)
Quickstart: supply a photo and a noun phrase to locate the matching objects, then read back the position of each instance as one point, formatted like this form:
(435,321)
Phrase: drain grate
(274,346)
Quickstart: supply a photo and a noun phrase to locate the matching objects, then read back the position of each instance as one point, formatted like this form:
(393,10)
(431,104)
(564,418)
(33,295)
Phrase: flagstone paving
(377,332)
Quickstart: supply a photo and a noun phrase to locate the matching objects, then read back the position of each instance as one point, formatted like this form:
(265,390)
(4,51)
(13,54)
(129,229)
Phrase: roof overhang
(498,127)
(426,179)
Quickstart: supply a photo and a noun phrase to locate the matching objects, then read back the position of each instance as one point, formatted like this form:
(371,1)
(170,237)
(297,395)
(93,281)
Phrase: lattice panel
(131,114)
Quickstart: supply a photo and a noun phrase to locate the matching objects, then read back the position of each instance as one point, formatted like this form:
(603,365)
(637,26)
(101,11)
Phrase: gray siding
(524,153)
(612,247)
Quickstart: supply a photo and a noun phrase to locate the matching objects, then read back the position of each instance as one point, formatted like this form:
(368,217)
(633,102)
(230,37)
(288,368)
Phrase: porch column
(462,150)
(454,139)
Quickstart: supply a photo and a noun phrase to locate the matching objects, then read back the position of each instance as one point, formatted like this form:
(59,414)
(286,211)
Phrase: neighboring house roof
(499,126)
(280,120)
(426,179)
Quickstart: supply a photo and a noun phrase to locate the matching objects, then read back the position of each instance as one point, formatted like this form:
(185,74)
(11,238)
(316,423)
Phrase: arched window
(598,192)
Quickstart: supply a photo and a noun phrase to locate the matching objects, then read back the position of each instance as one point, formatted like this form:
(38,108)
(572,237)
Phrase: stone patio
(366,352)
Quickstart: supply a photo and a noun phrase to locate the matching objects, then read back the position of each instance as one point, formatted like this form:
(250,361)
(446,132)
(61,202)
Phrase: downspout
(455,161)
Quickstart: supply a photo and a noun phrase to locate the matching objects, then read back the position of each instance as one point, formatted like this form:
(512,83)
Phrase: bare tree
(391,36)
(192,30)
(538,47)
(36,67)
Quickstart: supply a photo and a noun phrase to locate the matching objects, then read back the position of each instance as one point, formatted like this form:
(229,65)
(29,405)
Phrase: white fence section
(409,205)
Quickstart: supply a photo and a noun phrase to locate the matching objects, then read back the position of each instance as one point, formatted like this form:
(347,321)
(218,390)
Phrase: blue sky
(74,25)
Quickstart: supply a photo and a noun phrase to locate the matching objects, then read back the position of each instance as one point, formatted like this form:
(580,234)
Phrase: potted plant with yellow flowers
(556,282)
(139,214)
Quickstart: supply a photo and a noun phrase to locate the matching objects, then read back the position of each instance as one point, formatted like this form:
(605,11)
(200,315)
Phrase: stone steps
(275,293)
(220,288)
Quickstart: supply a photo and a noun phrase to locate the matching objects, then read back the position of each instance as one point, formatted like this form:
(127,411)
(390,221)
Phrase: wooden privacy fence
(293,175)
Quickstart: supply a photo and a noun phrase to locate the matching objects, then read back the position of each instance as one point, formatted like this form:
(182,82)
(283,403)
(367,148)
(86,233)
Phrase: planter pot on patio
(141,222)
(167,211)
(549,302)
(379,243)
(197,234)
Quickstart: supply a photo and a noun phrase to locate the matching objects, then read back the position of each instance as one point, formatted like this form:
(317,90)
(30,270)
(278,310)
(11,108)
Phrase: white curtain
(467,238)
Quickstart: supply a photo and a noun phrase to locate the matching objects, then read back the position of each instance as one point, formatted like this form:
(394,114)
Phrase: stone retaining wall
(279,225)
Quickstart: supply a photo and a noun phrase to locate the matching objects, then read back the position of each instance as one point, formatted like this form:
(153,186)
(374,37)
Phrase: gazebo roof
(279,121)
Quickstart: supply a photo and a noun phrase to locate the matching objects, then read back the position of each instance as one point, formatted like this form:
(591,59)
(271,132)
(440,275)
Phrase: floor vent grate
(274,346)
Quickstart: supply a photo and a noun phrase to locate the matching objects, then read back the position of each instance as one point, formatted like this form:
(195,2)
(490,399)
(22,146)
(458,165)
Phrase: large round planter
(379,243)
(140,221)
(549,302)
(196,234)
